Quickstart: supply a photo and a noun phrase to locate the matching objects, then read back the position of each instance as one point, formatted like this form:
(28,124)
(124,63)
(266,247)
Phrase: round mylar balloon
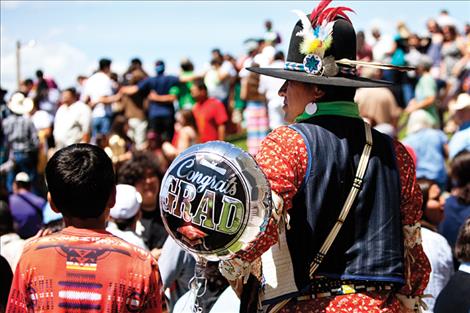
(214,200)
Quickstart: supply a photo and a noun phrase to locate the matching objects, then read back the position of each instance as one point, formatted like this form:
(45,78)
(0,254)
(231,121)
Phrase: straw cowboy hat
(19,104)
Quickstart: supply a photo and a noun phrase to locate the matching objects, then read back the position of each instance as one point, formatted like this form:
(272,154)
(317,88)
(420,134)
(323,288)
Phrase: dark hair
(28,81)
(6,219)
(279,55)
(118,127)
(188,117)
(136,61)
(460,173)
(216,51)
(124,224)
(462,245)
(23,184)
(104,64)
(187,66)
(425,184)
(72,90)
(199,83)
(80,179)
(134,170)
(337,93)
(39,74)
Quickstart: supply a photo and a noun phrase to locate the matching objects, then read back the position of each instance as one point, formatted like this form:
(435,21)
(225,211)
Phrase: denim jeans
(24,162)
(100,125)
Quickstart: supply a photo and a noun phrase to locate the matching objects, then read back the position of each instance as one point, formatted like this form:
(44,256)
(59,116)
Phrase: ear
(112,198)
(51,202)
(317,93)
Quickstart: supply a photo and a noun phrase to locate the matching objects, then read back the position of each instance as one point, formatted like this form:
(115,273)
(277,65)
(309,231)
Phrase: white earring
(311,108)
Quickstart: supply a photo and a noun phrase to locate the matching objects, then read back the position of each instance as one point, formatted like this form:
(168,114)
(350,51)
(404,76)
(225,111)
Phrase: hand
(156,253)
(412,106)
(42,233)
(234,269)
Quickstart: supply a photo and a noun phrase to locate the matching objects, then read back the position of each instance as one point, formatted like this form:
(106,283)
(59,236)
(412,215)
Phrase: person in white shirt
(269,86)
(125,214)
(98,93)
(72,121)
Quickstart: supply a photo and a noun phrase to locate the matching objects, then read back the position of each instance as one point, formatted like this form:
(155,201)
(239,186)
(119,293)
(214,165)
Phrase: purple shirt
(25,215)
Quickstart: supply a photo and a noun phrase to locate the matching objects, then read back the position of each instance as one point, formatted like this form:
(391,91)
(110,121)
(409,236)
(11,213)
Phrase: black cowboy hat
(343,47)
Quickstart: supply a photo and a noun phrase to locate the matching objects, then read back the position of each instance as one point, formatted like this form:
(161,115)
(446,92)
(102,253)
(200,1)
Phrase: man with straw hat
(345,233)
(21,138)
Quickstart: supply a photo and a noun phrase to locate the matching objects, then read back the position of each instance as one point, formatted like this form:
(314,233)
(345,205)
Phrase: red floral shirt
(283,158)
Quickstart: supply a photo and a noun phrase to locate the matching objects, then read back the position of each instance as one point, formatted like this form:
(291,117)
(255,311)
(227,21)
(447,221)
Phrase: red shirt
(209,115)
(85,270)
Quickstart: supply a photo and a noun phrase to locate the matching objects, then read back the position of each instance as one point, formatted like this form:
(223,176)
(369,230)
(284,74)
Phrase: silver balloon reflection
(215,200)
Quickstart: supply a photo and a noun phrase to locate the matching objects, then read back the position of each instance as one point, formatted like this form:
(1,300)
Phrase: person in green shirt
(425,91)
(182,91)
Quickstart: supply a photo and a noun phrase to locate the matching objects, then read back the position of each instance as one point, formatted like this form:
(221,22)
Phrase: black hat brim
(356,82)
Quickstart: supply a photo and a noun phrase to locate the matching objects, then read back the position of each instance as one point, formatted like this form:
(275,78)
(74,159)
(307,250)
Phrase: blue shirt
(460,141)
(161,84)
(25,207)
(428,144)
(455,214)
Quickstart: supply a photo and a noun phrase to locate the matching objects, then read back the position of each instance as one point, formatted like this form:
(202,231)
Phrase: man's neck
(88,223)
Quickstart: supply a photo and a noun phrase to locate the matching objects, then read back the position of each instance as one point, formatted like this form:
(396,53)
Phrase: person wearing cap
(21,138)
(460,141)
(26,207)
(83,267)
(125,214)
(344,232)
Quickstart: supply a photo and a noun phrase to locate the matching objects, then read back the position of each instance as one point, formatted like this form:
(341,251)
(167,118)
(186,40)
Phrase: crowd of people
(144,121)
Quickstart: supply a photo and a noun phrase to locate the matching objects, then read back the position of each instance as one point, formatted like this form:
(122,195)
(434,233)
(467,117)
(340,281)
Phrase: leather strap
(355,189)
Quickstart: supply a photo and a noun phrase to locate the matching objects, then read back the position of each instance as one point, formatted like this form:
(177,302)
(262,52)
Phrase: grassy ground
(238,140)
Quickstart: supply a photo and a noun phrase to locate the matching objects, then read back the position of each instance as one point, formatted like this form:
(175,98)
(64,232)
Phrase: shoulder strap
(356,187)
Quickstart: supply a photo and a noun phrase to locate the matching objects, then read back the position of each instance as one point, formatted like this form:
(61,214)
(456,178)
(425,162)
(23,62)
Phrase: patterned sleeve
(17,300)
(417,267)
(154,301)
(283,158)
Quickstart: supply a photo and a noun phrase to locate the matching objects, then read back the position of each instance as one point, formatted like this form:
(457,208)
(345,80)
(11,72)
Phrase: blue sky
(71,36)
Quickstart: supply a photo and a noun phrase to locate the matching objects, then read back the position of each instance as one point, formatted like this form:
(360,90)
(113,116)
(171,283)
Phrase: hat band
(300,67)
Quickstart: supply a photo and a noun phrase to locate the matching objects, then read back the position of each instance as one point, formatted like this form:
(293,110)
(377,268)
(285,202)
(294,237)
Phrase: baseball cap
(128,201)
(22,177)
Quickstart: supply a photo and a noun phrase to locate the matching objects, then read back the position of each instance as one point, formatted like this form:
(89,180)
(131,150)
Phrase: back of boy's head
(80,179)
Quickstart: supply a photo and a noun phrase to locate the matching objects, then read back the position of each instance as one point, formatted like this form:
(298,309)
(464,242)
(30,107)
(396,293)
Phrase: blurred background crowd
(144,120)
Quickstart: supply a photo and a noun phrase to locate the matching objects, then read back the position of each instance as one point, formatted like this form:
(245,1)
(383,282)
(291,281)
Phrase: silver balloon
(215,200)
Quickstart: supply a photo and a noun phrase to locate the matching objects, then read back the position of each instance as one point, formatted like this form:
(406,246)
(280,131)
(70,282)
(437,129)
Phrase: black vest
(370,243)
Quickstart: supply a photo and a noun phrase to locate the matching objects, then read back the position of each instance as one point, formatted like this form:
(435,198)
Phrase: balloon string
(198,284)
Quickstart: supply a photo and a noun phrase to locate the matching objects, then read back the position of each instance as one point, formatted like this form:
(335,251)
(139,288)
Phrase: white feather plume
(307,30)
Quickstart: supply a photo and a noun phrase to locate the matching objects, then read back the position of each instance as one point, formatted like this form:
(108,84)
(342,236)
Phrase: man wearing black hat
(344,233)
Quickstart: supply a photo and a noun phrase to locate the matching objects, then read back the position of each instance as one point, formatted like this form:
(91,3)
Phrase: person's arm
(283,159)
(416,264)
(415,105)
(154,96)
(129,90)
(85,124)
(221,117)
(221,132)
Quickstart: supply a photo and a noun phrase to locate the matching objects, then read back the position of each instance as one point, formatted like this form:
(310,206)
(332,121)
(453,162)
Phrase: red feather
(318,10)
(331,13)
